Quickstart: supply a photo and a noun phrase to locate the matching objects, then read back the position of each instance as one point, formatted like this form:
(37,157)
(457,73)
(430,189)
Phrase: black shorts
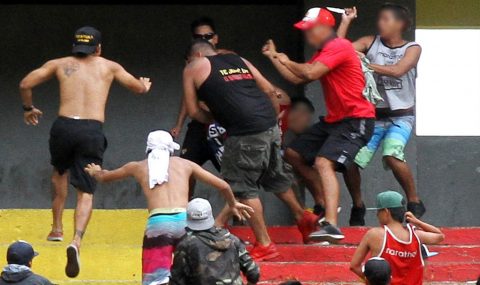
(73,145)
(195,145)
(338,142)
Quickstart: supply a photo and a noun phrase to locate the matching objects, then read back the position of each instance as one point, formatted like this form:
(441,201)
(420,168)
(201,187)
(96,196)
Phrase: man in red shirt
(331,144)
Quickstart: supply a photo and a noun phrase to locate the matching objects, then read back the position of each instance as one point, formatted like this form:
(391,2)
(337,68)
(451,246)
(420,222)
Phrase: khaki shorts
(253,162)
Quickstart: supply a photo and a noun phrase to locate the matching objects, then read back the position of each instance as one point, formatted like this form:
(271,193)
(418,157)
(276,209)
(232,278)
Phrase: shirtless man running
(76,137)
(165,183)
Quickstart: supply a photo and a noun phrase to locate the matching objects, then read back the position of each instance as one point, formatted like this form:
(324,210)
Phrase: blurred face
(317,35)
(205,32)
(389,25)
(299,118)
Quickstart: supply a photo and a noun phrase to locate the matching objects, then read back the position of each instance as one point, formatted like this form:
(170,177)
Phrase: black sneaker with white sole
(357,216)
(73,261)
(417,208)
(327,232)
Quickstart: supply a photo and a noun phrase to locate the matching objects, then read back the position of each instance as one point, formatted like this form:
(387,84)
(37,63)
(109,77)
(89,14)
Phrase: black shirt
(232,95)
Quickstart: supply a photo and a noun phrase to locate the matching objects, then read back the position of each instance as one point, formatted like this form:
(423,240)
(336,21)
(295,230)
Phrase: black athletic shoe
(357,216)
(417,209)
(73,262)
(328,233)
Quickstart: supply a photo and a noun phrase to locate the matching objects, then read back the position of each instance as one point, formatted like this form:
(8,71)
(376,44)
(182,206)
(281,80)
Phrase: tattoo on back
(70,68)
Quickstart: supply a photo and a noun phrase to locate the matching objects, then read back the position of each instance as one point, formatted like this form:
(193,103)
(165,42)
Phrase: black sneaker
(417,209)
(357,216)
(73,262)
(328,233)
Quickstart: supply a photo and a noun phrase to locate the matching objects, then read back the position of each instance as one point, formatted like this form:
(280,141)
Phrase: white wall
(448,85)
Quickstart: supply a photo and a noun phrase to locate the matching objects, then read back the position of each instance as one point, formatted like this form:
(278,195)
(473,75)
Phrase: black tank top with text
(233,97)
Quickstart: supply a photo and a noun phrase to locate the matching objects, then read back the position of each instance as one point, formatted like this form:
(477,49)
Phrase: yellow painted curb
(110,253)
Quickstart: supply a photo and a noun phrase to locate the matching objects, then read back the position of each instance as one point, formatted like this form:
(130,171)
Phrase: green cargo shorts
(253,162)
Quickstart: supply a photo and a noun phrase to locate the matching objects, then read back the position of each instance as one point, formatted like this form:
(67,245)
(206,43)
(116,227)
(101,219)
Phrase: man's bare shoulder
(181,161)
(113,65)
(375,234)
(197,64)
(376,231)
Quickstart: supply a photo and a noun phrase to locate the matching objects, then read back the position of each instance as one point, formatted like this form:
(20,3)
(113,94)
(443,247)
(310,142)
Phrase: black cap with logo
(86,40)
(20,252)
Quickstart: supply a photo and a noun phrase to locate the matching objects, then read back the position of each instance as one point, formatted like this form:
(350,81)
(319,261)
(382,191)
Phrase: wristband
(27,108)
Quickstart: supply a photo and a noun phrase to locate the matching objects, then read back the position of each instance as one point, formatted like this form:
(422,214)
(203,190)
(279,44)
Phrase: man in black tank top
(235,94)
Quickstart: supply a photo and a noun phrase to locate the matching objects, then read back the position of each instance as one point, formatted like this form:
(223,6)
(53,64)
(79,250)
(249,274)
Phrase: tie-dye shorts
(163,232)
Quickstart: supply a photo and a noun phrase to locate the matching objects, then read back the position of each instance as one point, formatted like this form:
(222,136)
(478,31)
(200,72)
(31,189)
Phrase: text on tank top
(398,93)
(232,95)
(405,258)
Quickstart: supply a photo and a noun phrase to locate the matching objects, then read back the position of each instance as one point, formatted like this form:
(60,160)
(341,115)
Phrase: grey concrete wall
(148,41)
(446,169)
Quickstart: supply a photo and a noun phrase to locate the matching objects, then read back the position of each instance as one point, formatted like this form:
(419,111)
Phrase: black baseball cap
(20,252)
(377,271)
(86,40)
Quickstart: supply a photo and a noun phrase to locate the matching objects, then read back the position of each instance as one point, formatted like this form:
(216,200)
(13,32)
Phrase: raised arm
(265,85)
(347,18)
(409,61)
(238,209)
(190,98)
(102,175)
(127,80)
(34,78)
(361,44)
(428,234)
(270,51)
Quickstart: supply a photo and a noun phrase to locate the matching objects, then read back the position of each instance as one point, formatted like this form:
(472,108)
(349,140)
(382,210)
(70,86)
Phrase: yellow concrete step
(106,226)
(98,262)
(110,254)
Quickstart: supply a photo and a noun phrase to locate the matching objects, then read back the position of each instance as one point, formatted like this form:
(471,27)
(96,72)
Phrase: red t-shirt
(344,83)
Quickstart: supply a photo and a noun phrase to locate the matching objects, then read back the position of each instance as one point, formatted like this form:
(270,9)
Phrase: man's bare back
(174,193)
(84,84)
(171,194)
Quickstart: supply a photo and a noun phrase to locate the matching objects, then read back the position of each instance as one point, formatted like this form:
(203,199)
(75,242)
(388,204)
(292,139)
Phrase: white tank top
(398,93)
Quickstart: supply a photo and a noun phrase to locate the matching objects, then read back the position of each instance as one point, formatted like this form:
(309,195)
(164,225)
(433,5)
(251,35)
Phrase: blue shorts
(394,132)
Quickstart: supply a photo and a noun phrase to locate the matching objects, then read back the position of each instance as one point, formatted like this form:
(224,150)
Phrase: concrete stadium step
(339,271)
(360,283)
(123,227)
(111,252)
(353,235)
(341,253)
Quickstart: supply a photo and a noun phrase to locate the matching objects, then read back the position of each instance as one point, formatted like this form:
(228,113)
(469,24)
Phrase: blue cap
(20,252)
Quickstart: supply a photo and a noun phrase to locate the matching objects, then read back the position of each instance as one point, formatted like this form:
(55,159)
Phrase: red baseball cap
(316,16)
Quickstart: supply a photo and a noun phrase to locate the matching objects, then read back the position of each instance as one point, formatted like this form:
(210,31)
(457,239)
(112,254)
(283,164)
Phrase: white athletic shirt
(398,93)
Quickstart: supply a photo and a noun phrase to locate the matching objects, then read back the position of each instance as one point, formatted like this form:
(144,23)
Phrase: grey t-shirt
(398,93)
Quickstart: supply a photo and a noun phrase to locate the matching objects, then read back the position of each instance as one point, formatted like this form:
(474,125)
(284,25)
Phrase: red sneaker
(261,253)
(307,225)
(55,236)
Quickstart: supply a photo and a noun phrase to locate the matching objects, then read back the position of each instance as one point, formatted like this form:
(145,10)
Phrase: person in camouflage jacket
(208,255)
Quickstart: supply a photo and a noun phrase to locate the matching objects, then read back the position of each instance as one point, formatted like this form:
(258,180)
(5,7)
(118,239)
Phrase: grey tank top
(398,93)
